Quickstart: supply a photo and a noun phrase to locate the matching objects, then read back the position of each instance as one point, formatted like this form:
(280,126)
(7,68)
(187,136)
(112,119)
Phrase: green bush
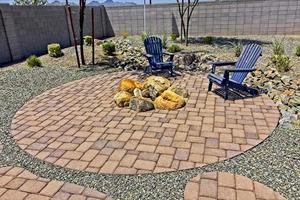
(208,40)
(281,62)
(298,50)
(124,35)
(144,35)
(173,36)
(88,40)
(174,48)
(238,47)
(164,41)
(278,47)
(54,50)
(109,47)
(33,61)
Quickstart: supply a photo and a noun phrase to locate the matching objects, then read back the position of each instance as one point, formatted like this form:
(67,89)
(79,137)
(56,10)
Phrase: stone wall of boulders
(282,89)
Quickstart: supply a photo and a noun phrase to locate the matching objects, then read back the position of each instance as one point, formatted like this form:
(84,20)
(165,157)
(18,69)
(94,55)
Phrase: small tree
(30,2)
(186,8)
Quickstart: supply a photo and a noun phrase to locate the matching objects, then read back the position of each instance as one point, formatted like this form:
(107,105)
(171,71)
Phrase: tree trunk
(187,24)
(81,20)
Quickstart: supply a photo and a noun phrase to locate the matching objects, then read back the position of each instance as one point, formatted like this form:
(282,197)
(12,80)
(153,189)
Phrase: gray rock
(294,101)
(141,104)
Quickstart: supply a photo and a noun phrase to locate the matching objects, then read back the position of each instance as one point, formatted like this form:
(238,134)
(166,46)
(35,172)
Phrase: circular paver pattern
(226,186)
(79,126)
(19,184)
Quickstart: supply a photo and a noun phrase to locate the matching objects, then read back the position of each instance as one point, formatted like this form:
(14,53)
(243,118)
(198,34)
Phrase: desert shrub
(124,35)
(298,50)
(109,47)
(54,50)
(208,40)
(88,40)
(281,62)
(144,35)
(173,36)
(237,47)
(174,48)
(278,47)
(164,41)
(279,59)
(33,61)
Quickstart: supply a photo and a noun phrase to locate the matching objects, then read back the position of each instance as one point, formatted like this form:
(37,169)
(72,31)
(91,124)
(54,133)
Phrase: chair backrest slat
(247,60)
(153,46)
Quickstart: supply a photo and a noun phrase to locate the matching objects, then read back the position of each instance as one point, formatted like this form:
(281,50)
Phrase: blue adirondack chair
(154,54)
(243,66)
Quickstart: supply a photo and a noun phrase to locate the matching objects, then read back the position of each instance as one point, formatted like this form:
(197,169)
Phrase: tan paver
(25,186)
(78,126)
(226,186)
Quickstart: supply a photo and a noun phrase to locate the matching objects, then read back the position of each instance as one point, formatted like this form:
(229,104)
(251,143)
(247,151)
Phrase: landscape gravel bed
(275,162)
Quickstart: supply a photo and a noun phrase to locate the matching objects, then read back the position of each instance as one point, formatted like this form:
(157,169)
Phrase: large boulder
(122,98)
(156,85)
(141,104)
(169,100)
(129,85)
(179,90)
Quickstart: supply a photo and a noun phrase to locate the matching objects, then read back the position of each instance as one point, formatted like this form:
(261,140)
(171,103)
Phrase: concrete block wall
(228,17)
(30,29)
(4,47)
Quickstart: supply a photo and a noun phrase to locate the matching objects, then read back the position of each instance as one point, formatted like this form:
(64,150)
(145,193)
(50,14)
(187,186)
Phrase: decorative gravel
(275,162)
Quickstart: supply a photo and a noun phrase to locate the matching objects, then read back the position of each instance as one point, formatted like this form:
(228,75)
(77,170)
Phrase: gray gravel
(275,162)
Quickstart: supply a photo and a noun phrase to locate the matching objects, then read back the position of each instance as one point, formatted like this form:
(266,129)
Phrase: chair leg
(226,92)
(171,70)
(210,86)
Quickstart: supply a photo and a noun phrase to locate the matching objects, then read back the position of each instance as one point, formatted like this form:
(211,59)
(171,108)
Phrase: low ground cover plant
(237,47)
(33,61)
(164,41)
(109,48)
(124,35)
(208,40)
(88,40)
(54,50)
(279,59)
(144,35)
(173,36)
(298,50)
(174,48)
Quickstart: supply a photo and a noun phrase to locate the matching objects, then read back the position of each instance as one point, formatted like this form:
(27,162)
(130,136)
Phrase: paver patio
(19,184)
(78,126)
(221,185)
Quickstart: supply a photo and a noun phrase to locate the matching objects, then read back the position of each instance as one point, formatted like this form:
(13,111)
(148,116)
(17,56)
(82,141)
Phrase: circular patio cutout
(20,184)
(222,185)
(78,126)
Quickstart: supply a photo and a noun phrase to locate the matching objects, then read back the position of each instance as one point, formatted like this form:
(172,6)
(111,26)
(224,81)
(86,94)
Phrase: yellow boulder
(169,100)
(122,98)
(156,85)
(129,85)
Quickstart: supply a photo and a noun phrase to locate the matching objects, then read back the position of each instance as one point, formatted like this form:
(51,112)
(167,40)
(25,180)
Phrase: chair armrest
(240,70)
(171,56)
(168,53)
(222,63)
(148,55)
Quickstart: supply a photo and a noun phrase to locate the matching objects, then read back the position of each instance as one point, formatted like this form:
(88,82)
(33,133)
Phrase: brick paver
(79,126)
(226,186)
(19,184)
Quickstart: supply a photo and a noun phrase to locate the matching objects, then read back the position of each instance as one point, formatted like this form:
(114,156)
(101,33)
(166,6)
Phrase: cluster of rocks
(282,89)
(155,92)
(193,61)
(132,57)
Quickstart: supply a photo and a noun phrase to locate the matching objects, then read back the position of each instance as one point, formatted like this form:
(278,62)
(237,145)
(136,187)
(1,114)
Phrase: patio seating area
(78,126)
